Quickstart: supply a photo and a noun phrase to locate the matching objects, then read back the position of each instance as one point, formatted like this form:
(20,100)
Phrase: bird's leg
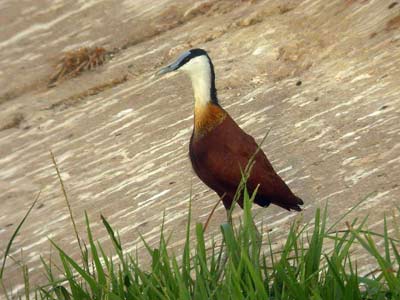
(258,233)
(227,202)
(229,216)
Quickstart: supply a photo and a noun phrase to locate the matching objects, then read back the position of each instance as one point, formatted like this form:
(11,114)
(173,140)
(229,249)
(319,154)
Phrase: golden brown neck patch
(207,117)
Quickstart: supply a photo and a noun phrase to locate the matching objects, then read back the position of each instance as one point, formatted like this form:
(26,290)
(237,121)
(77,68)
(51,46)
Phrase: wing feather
(220,157)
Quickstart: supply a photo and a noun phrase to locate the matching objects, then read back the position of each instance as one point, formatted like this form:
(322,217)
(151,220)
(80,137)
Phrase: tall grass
(314,263)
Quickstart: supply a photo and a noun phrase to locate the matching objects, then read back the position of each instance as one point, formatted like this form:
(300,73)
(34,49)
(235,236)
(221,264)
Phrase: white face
(197,66)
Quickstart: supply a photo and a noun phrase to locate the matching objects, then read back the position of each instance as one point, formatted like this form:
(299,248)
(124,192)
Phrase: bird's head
(197,64)
(194,61)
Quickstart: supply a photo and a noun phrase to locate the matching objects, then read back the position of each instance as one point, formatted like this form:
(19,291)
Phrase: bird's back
(220,150)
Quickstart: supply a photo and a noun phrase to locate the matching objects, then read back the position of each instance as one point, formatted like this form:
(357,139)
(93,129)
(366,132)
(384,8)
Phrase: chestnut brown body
(220,150)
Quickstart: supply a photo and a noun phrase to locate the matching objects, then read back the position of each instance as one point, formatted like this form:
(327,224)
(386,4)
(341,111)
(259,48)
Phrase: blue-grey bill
(165,70)
(175,65)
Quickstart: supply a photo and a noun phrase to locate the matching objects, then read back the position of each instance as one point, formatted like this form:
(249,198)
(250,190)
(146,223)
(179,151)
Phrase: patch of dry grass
(74,62)
(13,121)
(393,24)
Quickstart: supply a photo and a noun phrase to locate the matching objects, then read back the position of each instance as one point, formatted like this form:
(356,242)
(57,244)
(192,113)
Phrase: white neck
(199,71)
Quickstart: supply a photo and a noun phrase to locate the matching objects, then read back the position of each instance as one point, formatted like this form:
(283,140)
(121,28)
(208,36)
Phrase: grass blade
(15,234)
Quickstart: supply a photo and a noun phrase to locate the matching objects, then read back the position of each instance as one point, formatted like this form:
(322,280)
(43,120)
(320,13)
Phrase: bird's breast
(206,118)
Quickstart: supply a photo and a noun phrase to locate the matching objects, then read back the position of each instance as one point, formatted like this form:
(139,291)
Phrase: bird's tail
(294,204)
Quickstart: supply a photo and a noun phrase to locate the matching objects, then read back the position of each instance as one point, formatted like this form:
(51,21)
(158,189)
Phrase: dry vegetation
(393,23)
(75,62)
(14,121)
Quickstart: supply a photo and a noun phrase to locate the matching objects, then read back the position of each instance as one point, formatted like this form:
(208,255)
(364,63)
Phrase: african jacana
(219,149)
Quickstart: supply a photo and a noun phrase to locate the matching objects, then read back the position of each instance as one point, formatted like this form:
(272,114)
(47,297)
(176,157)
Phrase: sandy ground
(324,75)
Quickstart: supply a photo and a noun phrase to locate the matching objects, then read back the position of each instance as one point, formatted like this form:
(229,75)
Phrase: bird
(219,149)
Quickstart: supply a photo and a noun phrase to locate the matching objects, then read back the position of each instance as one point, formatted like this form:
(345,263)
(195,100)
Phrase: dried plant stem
(66,200)
(212,212)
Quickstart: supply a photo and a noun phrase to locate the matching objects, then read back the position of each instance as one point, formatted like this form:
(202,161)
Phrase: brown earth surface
(323,75)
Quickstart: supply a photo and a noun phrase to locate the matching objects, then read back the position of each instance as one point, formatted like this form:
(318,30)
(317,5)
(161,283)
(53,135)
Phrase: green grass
(242,266)
(315,262)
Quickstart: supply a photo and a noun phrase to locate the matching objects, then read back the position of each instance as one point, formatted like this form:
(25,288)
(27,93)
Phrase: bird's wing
(229,150)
